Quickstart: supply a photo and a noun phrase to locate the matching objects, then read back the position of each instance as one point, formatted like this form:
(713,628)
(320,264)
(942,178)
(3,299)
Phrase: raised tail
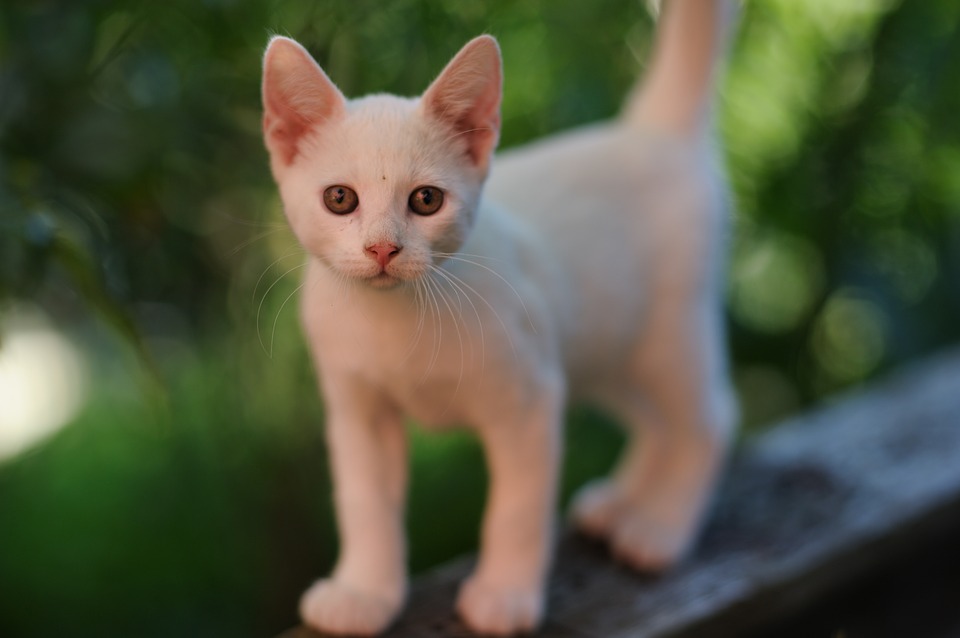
(676,94)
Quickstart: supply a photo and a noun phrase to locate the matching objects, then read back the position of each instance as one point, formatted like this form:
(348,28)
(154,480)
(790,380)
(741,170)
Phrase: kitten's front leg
(367,448)
(505,594)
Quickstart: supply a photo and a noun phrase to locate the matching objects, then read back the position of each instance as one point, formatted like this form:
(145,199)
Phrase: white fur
(591,270)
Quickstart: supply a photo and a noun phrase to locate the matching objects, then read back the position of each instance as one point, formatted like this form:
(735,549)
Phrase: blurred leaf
(87,280)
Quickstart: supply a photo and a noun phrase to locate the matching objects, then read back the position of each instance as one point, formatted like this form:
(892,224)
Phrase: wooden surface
(804,508)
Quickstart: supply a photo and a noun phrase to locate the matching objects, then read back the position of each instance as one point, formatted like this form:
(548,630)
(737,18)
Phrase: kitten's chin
(383,281)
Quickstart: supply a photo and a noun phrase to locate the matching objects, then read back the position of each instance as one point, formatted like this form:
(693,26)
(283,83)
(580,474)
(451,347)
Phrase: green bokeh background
(190,496)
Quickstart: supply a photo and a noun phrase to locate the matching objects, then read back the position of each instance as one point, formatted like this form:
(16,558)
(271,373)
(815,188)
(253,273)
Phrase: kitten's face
(379,189)
(383,178)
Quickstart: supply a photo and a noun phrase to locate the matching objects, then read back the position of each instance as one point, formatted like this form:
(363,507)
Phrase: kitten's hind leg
(650,509)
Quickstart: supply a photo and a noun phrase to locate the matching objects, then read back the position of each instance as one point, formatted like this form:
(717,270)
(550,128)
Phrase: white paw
(646,537)
(648,545)
(336,608)
(499,610)
(595,507)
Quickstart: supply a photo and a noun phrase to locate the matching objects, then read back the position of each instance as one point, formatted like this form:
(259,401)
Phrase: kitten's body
(589,271)
(628,214)
(660,213)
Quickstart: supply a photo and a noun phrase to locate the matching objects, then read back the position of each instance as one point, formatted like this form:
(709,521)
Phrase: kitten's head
(379,188)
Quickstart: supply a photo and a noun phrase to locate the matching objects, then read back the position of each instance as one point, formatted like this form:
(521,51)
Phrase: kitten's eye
(426,200)
(340,200)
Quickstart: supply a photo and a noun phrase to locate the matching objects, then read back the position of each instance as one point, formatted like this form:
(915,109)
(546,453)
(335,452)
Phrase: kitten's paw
(644,537)
(646,544)
(595,507)
(336,608)
(496,610)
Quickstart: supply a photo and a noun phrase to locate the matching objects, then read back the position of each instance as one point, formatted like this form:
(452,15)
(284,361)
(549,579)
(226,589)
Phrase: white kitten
(590,271)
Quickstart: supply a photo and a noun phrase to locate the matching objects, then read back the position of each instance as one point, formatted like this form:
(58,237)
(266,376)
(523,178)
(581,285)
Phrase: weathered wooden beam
(805,507)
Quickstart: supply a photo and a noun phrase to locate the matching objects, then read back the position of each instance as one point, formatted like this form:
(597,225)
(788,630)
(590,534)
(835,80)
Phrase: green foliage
(132,134)
(211,522)
(129,524)
(844,255)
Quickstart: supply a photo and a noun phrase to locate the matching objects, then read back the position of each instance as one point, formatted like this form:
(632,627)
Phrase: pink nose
(383,252)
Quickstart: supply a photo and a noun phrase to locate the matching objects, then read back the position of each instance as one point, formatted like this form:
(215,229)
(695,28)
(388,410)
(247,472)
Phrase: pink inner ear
(297,97)
(282,135)
(467,95)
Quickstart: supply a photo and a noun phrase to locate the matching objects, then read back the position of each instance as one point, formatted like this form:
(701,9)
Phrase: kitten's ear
(297,96)
(467,94)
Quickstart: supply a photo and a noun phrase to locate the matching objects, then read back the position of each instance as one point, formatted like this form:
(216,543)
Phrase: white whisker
(487,257)
(420,305)
(274,263)
(458,289)
(438,329)
(273,333)
(488,304)
(264,298)
(501,277)
(456,325)
(255,239)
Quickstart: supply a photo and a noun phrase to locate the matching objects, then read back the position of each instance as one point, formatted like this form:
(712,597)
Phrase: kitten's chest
(430,352)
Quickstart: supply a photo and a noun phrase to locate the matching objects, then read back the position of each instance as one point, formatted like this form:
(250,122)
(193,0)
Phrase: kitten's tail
(677,91)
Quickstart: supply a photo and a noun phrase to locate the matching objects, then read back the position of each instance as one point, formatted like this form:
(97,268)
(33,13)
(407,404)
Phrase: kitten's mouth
(383,280)
(390,277)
